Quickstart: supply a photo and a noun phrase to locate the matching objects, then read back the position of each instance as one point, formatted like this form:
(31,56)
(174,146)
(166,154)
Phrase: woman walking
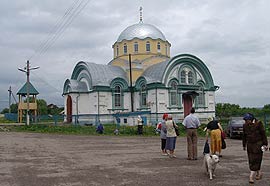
(215,129)
(254,138)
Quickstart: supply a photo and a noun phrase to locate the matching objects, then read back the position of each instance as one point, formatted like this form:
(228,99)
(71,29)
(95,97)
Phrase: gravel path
(31,159)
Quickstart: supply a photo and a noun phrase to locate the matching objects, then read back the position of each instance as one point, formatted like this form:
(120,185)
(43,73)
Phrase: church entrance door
(187,100)
(69,109)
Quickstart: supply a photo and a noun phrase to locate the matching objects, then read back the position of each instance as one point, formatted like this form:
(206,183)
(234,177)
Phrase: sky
(230,36)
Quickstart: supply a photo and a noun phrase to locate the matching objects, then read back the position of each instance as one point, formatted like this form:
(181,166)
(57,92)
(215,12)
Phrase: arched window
(143,94)
(136,47)
(190,78)
(173,94)
(201,97)
(183,77)
(117,50)
(147,46)
(117,96)
(158,46)
(125,48)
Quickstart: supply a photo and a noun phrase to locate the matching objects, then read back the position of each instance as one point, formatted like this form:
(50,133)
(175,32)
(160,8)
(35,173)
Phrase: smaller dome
(141,31)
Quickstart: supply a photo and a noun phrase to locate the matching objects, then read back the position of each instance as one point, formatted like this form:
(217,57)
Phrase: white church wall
(162,100)
(151,100)
(104,102)
(136,101)
(127,101)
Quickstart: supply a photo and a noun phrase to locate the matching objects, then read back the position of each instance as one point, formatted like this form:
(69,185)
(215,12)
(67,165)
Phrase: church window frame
(117,97)
(190,75)
(200,99)
(143,96)
(117,50)
(125,48)
(147,46)
(136,47)
(173,94)
(158,47)
(183,77)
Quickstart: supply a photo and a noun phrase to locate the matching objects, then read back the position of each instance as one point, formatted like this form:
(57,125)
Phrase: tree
(42,107)
(226,110)
(13,109)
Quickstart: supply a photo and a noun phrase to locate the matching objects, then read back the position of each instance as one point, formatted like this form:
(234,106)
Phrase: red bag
(223,135)
(159,126)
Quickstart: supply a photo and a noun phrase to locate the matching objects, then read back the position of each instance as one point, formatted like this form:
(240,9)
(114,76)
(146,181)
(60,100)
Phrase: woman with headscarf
(214,129)
(171,136)
(163,133)
(254,138)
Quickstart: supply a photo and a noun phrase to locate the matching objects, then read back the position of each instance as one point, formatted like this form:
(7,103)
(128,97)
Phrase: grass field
(91,130)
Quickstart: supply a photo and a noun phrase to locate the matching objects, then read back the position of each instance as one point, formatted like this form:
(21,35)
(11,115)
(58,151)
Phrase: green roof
(32,90)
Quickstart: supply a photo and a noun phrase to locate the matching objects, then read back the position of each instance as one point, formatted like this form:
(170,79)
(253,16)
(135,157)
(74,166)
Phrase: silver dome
(141,31)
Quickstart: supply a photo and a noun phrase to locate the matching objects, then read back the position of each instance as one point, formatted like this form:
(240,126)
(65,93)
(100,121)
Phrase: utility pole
(9,99)
(130,78)
(27,71)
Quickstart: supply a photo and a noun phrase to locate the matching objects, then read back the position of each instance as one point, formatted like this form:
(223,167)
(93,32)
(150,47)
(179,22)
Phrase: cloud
(231,37)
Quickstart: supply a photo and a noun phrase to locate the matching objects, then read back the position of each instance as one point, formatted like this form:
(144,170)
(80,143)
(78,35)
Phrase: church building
(142,76)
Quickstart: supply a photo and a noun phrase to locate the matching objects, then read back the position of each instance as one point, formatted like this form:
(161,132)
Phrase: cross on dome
(141,20)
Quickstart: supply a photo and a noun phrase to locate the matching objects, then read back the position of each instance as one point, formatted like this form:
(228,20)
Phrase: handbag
(223,135)
(223,143)
(176,129)
(206,148)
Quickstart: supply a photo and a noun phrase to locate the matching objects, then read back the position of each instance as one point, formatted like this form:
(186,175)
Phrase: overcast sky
(230,36)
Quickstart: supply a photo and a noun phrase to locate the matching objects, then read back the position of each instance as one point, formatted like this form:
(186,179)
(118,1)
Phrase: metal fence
(123,118)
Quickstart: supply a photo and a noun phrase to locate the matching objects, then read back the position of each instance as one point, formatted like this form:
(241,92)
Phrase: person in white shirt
(191,123)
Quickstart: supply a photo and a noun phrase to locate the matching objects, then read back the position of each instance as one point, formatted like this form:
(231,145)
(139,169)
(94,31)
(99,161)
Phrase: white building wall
(86,103)
(136,101)
(163,100)
(127,101)
(104,102)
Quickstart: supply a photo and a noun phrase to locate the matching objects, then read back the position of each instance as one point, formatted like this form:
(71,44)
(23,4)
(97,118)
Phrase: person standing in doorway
(191,123)
(254,138)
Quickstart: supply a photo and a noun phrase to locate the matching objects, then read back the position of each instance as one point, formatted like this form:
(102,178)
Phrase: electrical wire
(53,30)
(61,26)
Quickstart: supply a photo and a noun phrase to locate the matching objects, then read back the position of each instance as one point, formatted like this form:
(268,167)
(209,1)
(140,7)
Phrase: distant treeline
(43,108)
(227,110)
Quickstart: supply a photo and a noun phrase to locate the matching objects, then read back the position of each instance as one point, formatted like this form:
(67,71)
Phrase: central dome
(141,31)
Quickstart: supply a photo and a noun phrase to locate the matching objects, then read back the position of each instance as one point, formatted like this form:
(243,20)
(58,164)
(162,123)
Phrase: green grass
(91,130)
(4,120)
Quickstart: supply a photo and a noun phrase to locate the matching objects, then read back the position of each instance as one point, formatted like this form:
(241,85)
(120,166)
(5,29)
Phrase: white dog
(210,163)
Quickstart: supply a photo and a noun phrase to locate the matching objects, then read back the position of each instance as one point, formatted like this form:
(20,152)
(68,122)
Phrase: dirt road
(28,159)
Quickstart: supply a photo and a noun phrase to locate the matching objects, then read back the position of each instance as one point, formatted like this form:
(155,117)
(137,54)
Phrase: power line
(53,30)
(47,83)
(65,26)
(61,26)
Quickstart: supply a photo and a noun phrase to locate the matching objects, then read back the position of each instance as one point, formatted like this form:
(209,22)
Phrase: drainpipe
(97,119)
(156,106)
(130,78)
(77,109)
